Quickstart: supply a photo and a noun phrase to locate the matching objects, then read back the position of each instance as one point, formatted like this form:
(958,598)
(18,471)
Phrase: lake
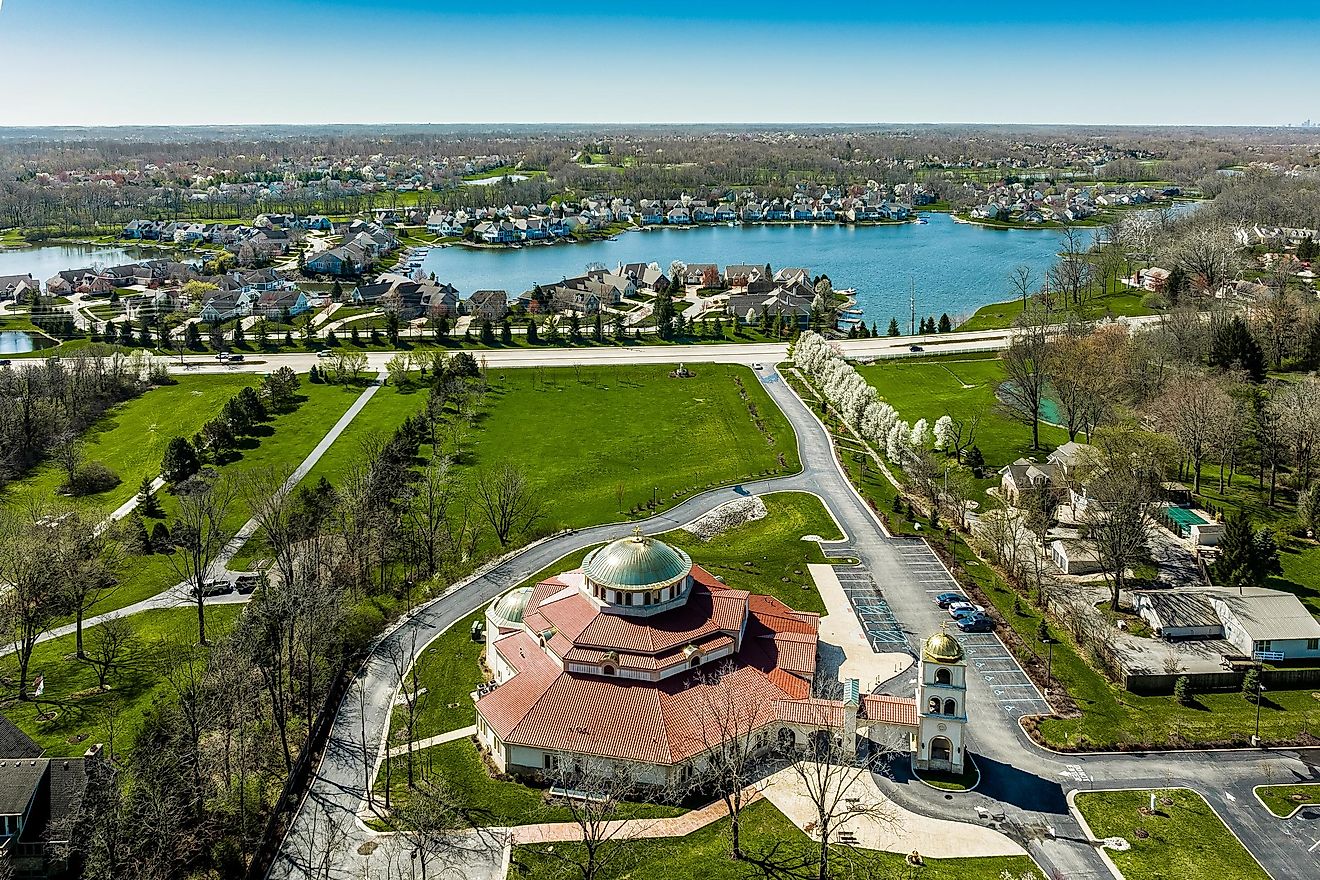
(955,267)
(45,261)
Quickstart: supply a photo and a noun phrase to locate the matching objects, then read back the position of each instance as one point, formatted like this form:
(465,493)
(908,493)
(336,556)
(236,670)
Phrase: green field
(600,441)
(130,438)
(1186,841)
(960,386)
(71,684)
(1119,301)
(775,848)
(1284,800)
(283,442)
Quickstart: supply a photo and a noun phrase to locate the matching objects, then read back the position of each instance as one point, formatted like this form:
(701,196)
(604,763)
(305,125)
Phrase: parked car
(4,362)
(325,353)
(756,366)
(915,348)
(235,359)
(944,600)
(958,609)
(222,356)
(974,623)
(215,588)
(246,583)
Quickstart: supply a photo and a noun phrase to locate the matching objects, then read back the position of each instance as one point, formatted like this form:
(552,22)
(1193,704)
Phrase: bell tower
(941,705)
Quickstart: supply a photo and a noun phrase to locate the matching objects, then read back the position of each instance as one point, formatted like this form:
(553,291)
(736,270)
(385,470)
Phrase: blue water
(42,263)
(954,267)
(15,342)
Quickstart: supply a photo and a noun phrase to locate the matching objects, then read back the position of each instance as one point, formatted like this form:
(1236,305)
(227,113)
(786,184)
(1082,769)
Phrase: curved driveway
(1024,787)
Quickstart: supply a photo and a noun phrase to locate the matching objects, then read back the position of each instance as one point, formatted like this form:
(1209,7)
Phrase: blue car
(944,600)
(974,623)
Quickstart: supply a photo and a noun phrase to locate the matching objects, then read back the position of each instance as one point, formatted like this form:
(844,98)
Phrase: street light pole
(1260,690)
(1049,665)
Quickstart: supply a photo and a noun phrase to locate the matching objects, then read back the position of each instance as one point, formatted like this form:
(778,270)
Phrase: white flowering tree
(943,432)
(918,436)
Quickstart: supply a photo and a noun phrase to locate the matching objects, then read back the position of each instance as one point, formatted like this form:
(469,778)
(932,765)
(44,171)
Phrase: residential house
(340,261)
(1024,474)
(488,305)
(19,288)
(272,304)
(753,307)
(678,216)
(39,799)
(1267,624)
(226,306)
(1074,557)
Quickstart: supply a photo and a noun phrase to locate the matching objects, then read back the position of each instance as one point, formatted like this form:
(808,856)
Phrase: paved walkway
(844,649)
(629,829)
(886,826)
(438,740)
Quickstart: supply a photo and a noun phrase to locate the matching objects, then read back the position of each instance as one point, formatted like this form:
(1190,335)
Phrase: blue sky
(104,62)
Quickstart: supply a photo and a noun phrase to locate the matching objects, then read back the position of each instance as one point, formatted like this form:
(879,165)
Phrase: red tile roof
(889,710)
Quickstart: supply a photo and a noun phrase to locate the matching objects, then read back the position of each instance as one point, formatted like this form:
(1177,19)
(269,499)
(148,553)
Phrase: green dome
(636,563)
(511,605)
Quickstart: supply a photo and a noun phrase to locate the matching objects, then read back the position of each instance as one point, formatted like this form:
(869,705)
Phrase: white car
(756,366)
(959,608)
(325,353)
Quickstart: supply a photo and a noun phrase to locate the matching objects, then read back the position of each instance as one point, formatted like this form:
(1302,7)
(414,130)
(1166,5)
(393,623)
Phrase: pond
(16,342)
(949,267)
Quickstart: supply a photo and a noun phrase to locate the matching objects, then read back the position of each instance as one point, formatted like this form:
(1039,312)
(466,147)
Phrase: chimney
(93,752)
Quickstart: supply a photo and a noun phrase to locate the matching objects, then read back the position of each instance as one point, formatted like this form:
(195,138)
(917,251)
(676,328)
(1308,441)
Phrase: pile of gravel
(727,516)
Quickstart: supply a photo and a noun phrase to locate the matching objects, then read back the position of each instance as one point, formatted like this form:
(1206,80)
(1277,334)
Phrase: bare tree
(962,433)
(734,746)
(1023,282)
(268,493)
(199,535)
(594,792)
(508,500)
(34,596)
(1122,480)
(86,559)
(402,657)
(427,513)
(833,779)
(1191,409)
(113,642)
(1026,364)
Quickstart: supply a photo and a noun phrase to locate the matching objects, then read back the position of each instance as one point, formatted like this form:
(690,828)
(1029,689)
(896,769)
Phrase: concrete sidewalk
(892,828)
(841,631)
(437,740)
(628,829)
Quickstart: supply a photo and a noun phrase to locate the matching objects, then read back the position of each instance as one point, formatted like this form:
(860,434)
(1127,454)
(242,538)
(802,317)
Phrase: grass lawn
(71,683)
(488,800)
(766,835)
(1118,301)
(130,438)
(1284,800)
(596,441)
(600,441)
(927,388)
(448,670)
(1186,841)
(282,442)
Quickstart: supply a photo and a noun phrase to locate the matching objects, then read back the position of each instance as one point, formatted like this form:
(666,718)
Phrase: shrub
(1182,690)
(1251,685)
(91,478)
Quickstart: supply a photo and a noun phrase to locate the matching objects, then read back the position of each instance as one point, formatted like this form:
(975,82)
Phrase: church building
(617,661)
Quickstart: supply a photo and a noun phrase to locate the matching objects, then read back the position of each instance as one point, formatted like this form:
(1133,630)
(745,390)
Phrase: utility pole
(912,303)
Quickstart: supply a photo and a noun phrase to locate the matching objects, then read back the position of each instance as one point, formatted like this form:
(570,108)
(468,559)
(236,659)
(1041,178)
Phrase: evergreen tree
(975,461)
(874,334)
(1306,249)
(160,538)
(144,334)
(192,337)
(893,328)
(531,332)
(1232,347)
(148,503)
(618,328)
(337,291)
(238,333)
(945,324)
(717,331)
(506,332)
(180,461)
(598,329)
(354,337)
(1251,685)
(288,338)
(487,332)
(1246,557)
(575,327)
(125,333)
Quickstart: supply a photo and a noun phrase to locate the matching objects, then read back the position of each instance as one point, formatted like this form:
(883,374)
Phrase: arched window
(787,738)
(943,676)
(950,707)
(934,705)
(695,661)
(608,670)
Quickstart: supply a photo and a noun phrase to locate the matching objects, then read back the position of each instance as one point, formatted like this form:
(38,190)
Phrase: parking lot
(986,655)
(873,612)
(1008,684)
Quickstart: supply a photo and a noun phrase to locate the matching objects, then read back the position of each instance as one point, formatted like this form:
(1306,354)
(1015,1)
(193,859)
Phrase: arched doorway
(941,753)
(787,739)
(819,742)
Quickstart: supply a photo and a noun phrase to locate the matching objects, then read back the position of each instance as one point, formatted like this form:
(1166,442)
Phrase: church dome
(510,607)
(942,648)
(636,563)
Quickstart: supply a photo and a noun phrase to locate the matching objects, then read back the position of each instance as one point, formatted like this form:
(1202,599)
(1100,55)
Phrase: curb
(1255,791)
